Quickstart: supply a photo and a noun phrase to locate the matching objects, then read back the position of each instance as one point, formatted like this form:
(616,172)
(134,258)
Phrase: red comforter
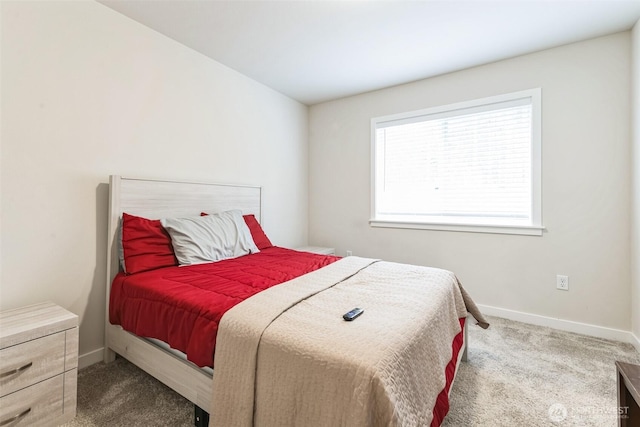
(182,306)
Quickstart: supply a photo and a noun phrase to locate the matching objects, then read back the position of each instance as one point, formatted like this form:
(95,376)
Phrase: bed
(273,312)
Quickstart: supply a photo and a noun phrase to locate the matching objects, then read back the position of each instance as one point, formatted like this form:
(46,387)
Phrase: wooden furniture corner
(628,394)
(38,365)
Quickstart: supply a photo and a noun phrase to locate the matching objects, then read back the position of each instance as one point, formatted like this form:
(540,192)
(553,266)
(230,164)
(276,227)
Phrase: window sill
(494,229)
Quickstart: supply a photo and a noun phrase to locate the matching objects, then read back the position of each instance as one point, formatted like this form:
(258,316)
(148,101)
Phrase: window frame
(534,229)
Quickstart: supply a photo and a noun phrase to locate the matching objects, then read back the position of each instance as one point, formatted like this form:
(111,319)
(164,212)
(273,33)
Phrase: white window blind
(474,164)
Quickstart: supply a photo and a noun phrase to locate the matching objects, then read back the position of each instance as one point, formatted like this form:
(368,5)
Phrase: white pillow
(210,238)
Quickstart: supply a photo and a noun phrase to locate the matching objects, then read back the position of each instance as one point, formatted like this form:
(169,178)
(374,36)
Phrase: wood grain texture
(44,400)
(182,376)
(71,349)
(33,321)
(70,396)
(42,359)
(39,356)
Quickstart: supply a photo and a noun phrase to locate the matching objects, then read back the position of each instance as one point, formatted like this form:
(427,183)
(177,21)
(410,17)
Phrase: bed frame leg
(201,417)
(466,343)
(109,355)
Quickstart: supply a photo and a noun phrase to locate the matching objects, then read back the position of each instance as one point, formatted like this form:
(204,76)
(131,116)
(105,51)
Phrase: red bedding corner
(182,306)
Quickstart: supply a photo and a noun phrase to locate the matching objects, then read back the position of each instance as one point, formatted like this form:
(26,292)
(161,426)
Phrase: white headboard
(155,199)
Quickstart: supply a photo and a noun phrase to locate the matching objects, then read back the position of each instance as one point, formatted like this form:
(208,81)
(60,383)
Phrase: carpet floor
(517,375)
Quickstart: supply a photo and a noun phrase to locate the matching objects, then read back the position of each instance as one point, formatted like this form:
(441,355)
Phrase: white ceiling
(314,51)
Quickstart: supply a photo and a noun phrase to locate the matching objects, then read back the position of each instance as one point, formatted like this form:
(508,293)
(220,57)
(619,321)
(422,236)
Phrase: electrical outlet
(562,282)
(349,253)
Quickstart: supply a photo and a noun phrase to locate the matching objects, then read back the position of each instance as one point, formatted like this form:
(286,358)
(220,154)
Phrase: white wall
(635,186)
(86,93)
(586,185)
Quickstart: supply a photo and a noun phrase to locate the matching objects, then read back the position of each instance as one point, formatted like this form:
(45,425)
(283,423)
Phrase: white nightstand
(38,365)
(317,250)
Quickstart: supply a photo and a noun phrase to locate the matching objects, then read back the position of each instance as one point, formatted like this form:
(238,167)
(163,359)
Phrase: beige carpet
(120,394)
(517,375)
(523,375)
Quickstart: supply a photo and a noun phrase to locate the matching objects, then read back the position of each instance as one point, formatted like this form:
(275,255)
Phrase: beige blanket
(285,357)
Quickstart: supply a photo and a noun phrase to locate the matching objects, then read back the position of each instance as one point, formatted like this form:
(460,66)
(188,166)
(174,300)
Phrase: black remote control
(352,314)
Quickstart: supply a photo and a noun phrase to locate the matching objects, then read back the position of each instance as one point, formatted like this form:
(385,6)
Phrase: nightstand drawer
(28,363)
(38,405)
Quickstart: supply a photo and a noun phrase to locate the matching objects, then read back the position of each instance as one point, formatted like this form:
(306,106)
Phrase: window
(472,166)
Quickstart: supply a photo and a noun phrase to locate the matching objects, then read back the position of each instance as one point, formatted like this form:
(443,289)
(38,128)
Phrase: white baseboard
(88,359)
(636,341)
(563,325)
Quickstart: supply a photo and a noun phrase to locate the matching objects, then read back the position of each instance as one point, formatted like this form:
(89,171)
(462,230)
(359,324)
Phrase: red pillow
(257,233)
(259,238)
(146,245)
